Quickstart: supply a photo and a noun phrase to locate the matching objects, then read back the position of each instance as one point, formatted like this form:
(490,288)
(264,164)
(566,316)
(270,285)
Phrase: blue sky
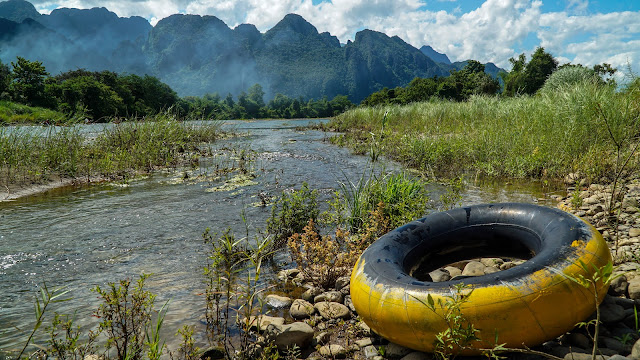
(578,31)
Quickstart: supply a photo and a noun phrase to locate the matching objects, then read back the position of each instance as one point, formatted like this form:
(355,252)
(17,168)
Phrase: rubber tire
(522,306)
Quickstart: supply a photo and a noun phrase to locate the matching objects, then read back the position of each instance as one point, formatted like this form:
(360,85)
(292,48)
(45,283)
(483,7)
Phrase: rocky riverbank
(322,323)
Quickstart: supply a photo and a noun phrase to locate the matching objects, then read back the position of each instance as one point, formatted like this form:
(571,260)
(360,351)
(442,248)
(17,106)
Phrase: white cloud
(496,31)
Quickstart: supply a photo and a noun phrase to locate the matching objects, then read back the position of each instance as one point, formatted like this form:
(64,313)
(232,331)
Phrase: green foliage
(404,198)
(125,314)
(291,213)
(27,83)
(527,78)
(570,76)
(547,135)
(65,339)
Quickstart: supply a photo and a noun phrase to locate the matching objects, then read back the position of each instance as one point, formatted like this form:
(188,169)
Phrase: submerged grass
(118,152)
(549,134)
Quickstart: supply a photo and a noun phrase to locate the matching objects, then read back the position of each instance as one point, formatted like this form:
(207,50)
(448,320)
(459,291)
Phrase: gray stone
(634,232)
(577,339)
(439,275)
(473,268)
(416,355)
(301,309)
(332,296)
(634,288)
(507,265)
(635,350)
(364,328)
(277,301)
(615,345)
(349,303)
(581,356)
(322,337)
(213,353)
(286,336)
(453,271)
(619,285)
(362,343)
(288,274)
(490,270)
(492,262)
(332,310)
(618,357)
(394,350)
(311,293)
(370,351)
(342,282)
(611,313)
(333,351)
(261,322)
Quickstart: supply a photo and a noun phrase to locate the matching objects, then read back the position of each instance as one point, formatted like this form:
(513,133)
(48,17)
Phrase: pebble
(332,310)
(394,350)
(332,296)
(440,275)
(333,351)
(473,268)
(301,309)
(262,321)
(277,301)
(286,336)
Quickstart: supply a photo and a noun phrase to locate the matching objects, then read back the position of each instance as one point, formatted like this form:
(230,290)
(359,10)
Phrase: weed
(64,342)
(125,315)
(576,199)
(453,196)
(291,213)
(187,349)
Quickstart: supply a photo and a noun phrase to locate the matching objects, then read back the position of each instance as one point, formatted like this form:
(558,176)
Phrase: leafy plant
(291,213)
(65,343)
(125,315)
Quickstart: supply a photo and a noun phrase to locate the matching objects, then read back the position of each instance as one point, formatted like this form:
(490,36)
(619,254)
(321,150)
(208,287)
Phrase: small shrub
(291,213)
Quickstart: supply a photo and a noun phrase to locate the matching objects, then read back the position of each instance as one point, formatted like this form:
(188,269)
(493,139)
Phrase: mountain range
(197,54)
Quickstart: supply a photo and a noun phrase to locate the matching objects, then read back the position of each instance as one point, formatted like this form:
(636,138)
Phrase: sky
(588,32)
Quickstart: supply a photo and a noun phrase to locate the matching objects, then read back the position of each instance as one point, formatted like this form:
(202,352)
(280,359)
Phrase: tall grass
(549,134)
(13,113)
(29,156)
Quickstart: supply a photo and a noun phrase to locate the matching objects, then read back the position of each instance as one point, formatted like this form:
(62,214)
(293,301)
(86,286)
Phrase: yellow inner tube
(516,307)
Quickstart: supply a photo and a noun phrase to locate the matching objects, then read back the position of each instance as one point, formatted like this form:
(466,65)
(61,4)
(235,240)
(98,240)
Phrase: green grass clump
(13,113)
(546,135)
(29,156)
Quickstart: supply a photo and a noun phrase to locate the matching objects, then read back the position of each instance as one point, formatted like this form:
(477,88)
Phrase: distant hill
(434,55)
(197,54)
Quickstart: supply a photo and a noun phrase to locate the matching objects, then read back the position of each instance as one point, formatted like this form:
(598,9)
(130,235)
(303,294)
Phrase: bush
(291,213)
(568,76)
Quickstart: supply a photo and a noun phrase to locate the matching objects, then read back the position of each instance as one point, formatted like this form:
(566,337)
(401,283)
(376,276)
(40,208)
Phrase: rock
(349,303)
(635,350)
(615,345)
(591,200)
(440,275)
(618,357)
(370,351)
(507,265)
(284,275)
(453,271)
(416,355)
(362,343)
(322,337)
(342,282)
(311,293)
(286,336)
(634,232)
(611,313)
(576,339)
(331,296)
(619,285)
(490,270)
(333,351)
(364,328)
(634,288)
(394,350)
(262,321)
(301,309)
(213,353)
(492,262)
(581,356)
(473,268)
(277,301)
(332,310)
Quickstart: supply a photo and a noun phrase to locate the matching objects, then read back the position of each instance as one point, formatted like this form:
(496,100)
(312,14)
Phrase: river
(80,237)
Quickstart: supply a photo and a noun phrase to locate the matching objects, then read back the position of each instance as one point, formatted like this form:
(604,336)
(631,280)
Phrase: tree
(527,78)
(27,85)
(5,78)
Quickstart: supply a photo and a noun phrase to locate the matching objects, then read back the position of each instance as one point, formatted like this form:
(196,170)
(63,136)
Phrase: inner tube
(522,306)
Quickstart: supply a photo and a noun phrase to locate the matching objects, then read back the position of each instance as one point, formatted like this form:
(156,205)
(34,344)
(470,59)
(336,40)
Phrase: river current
(80,237)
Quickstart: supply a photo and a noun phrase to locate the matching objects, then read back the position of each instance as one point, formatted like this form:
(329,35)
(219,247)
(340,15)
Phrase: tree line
(525,78)
(105,95)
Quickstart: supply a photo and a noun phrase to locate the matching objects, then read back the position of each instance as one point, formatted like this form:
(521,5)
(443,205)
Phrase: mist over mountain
(197,54)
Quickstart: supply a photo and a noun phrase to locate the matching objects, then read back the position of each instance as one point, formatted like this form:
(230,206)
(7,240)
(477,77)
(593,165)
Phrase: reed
(546,135)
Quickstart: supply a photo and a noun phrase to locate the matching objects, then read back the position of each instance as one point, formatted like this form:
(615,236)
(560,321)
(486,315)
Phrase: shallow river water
(81,237)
